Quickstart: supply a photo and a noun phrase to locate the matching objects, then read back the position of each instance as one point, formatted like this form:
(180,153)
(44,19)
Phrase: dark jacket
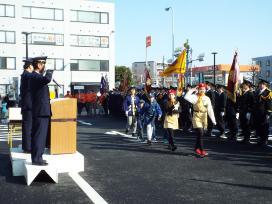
(246,103)
(263,105)
(25,91)
(210,93)
(220,102)
(40,94)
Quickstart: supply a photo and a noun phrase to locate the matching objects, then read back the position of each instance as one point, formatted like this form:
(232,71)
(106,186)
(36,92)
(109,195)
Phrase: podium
(63,126)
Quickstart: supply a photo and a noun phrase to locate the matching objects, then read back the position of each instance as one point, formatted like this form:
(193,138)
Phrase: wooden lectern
(63,126)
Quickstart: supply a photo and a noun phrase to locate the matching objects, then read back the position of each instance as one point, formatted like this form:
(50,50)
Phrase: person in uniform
(219,109)
(202,108)
(131,104)
(41,111)
(246,103)
(262,111)
(26,105)
(210,93)
(171,118)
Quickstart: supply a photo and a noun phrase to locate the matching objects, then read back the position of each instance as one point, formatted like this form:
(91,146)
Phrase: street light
(214,53)
(173,38)
(26,36)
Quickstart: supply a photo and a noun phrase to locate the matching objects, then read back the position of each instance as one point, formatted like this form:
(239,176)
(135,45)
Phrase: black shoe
(244,141)
(262,143)
(126,131)
(43,163)
(133,135)
(27,151)
(173,148)
(149,142)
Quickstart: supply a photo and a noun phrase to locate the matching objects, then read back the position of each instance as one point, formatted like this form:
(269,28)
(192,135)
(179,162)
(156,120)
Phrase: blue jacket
(128,103)
(149,112)
(25,91)
(40,94)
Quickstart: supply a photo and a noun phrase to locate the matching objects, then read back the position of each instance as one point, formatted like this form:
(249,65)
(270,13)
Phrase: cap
(142,101)
(247,82)
(189,86)
(209,83)
(263,81)
(201,85)
(172,91)
(27,62)
(35,59)
(132,87)
(219,86)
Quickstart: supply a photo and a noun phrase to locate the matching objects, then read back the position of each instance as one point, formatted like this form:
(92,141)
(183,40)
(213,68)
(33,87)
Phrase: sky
(222,26)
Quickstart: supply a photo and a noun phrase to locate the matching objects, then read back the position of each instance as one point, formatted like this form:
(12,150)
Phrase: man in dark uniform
(262,111)
(40,109)
(210,93)
(26,105)
(220,108)
(246,103)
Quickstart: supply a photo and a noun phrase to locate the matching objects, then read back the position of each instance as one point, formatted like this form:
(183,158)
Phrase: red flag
(233,79)
(148,41)
(148,81)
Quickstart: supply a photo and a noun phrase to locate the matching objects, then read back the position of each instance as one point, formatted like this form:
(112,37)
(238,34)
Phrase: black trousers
(220,122)
(245,126)
(210,127)
(199,138)
(262,130)
(232,124)
(39,135)
(170,133)
(26,130)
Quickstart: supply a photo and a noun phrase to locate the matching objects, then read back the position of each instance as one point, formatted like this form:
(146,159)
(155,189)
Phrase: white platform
(64,163)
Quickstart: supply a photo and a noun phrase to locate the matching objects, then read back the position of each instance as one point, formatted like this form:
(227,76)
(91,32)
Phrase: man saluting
(26,105)
(40,109)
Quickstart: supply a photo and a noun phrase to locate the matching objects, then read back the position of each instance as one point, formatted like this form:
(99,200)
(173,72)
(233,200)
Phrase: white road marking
(84,123)
(17,136)
(113,132)
(87,189)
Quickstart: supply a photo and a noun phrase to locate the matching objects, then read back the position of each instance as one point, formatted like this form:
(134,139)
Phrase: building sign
(78,87)
(46,39)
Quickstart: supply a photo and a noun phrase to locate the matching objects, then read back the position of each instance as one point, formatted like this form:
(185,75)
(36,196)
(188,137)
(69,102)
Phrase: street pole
(214,53)
(26,36)
(173,37)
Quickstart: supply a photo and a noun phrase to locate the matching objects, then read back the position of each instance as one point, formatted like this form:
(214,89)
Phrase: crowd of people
(200,109)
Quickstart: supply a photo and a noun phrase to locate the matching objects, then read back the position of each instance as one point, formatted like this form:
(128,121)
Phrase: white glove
(267,117)
(222,114)
(248,116)
(237,116)
(127,113)
(176,107)
(214,123)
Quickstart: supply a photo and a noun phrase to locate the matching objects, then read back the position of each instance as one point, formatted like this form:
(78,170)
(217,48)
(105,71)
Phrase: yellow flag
(178,66)
(180,85)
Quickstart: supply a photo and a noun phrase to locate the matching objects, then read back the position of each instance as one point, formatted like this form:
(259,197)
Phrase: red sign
(148,41)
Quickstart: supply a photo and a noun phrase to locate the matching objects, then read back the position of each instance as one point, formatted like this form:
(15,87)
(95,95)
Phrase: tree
(122,73)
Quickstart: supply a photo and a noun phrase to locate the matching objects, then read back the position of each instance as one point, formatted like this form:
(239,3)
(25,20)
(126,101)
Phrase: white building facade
(76,35)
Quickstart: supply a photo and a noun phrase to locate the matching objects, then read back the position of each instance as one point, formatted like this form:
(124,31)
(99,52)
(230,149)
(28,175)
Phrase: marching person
(171,118)
(153,112)
(210,93)
(262,111)
(41,111)
(246,105)
(131,103)
(26,105)
(202,109)
(219,109)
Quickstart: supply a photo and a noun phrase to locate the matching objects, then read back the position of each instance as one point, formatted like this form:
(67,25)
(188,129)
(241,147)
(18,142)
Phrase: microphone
(56,83)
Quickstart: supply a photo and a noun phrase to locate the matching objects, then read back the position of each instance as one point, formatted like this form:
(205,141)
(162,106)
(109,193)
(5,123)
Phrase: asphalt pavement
(124,170)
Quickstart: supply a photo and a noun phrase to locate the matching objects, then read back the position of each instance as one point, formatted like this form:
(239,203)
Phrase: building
(155,68)
(265,64)
(205,73)
(76,35)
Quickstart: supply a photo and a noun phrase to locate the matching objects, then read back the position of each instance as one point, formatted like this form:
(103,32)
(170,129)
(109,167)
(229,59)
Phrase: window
(89,17)
(89,65)
(7,63)
(268,73)
(45,39)
(43,13)
(89,41)
(7,10)
(7,37)
(55,64)
(268,63)
(260,63)
(104,18)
